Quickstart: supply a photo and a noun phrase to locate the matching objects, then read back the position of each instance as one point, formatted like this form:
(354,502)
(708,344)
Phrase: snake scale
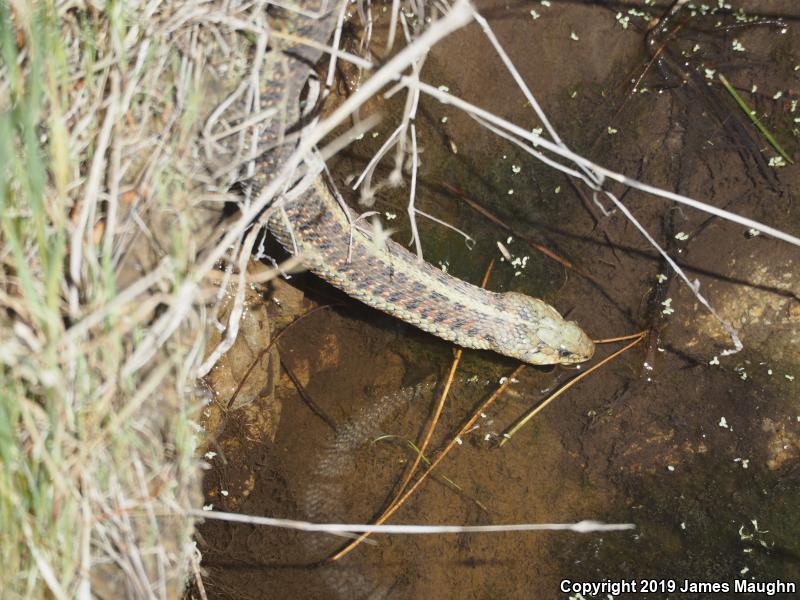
(389,277)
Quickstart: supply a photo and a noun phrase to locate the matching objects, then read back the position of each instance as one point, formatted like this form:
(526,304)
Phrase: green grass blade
(751,114)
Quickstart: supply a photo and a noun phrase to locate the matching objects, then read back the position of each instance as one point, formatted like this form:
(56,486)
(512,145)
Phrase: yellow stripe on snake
(387,276)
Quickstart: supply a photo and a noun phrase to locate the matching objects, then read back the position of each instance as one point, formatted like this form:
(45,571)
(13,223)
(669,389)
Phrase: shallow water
(700,451)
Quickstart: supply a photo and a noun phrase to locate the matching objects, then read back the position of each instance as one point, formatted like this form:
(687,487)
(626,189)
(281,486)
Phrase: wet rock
(763,309)
(287,302)
(245,377)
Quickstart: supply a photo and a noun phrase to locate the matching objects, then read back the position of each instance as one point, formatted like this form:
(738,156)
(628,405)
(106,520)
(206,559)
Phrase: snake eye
(564,353)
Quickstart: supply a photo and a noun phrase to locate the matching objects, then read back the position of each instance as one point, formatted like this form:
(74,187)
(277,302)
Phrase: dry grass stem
(345,529)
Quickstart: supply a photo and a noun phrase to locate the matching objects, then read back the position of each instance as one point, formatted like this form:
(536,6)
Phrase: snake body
(385,275)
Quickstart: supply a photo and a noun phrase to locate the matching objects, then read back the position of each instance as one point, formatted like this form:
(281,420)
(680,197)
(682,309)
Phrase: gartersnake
(387,276)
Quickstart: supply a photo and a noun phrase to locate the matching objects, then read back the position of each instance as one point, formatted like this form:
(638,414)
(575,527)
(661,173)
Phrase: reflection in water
(354,477)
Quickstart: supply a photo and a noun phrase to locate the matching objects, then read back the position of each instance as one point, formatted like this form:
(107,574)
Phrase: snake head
(566,344)
(548,339)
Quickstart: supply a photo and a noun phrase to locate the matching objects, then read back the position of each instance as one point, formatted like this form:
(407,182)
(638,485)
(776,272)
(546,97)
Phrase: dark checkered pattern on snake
(386,276)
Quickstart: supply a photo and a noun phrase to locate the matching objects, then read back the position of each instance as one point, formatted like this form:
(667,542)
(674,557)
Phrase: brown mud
(701,451)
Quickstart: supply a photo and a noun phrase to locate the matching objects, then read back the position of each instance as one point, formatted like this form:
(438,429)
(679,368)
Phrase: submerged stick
(439,457)
(621,338)
(427,461)
(439,407)
(537,409)
(567,264)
